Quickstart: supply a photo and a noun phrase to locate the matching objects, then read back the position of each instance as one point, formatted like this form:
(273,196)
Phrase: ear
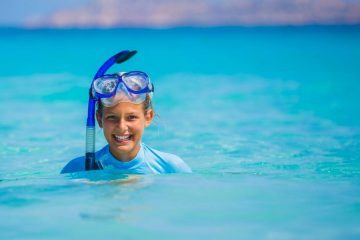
(99,119)
(149,116)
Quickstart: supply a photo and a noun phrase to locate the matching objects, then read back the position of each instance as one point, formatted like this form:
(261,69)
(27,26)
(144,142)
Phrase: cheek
(107,127)
(138,127)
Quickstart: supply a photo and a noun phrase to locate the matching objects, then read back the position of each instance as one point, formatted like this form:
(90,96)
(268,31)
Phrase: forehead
(124,107)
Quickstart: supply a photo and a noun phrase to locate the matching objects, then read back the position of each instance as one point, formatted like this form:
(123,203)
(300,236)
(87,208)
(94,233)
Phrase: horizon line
(22,27)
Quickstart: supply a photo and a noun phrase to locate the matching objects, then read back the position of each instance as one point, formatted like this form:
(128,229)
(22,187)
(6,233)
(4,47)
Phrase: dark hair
(147,105)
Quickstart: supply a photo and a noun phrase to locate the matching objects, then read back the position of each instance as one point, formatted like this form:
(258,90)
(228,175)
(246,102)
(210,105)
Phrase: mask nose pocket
(122,95)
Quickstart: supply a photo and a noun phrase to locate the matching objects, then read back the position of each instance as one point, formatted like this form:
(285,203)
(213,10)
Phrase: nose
(122,125)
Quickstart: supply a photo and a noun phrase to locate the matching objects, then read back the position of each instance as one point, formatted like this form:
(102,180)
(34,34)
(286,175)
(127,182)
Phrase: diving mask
(132,87)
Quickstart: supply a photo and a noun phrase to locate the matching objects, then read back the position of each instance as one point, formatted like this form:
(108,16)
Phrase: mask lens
(105,85)
(136,80)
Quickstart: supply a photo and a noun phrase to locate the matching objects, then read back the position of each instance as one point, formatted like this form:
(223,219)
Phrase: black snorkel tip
(125,55)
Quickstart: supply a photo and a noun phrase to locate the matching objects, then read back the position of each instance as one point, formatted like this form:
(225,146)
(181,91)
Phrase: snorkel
(90,162)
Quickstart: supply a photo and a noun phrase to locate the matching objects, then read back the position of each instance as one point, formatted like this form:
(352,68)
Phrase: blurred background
(163,13)
(260,98)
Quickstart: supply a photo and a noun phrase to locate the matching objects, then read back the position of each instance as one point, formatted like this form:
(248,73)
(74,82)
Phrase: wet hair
(147,105)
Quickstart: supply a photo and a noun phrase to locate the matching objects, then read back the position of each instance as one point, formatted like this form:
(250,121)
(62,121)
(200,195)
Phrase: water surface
(268,119)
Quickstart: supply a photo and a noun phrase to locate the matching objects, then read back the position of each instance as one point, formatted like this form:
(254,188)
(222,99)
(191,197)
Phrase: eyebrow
(112,113)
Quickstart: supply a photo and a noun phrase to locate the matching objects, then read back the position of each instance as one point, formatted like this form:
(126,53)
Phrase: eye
(132,117)
(111,118)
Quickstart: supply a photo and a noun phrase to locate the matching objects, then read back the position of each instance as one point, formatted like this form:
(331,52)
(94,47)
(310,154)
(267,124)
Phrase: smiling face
(123,126)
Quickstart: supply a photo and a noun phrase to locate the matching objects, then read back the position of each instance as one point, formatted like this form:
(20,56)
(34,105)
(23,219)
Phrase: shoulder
(78,164)
(166,162)
(75,165)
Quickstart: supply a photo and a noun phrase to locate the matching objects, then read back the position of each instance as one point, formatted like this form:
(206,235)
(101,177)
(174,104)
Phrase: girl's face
(123,126)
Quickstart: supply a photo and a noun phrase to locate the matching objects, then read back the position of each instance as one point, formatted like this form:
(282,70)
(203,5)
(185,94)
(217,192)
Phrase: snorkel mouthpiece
(124,56)
(90,162)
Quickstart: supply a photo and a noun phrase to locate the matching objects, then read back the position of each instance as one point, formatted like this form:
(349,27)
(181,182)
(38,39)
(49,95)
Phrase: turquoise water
(268,119)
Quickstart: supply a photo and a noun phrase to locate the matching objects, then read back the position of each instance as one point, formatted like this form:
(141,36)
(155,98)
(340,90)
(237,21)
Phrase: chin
(124,147)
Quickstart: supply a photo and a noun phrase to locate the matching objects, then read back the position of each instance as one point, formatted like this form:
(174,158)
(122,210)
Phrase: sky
(174,13)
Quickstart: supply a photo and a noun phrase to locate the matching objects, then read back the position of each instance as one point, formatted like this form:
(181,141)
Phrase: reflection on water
(111,177)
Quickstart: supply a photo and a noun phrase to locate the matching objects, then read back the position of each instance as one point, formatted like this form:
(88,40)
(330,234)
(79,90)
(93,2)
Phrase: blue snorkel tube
(90,161)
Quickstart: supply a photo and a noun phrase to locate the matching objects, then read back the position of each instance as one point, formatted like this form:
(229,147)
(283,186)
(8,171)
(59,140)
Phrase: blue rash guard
(147,161)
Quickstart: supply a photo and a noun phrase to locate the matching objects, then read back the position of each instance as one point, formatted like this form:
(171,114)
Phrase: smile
(122,138)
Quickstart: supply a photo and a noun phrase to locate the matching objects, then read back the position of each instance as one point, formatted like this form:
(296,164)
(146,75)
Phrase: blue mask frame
(90,161)
(149,88)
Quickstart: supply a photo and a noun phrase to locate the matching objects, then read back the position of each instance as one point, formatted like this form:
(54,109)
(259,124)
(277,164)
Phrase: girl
(124,110)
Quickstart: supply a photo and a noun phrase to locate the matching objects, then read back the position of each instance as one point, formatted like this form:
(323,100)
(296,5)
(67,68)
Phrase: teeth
(120,138)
